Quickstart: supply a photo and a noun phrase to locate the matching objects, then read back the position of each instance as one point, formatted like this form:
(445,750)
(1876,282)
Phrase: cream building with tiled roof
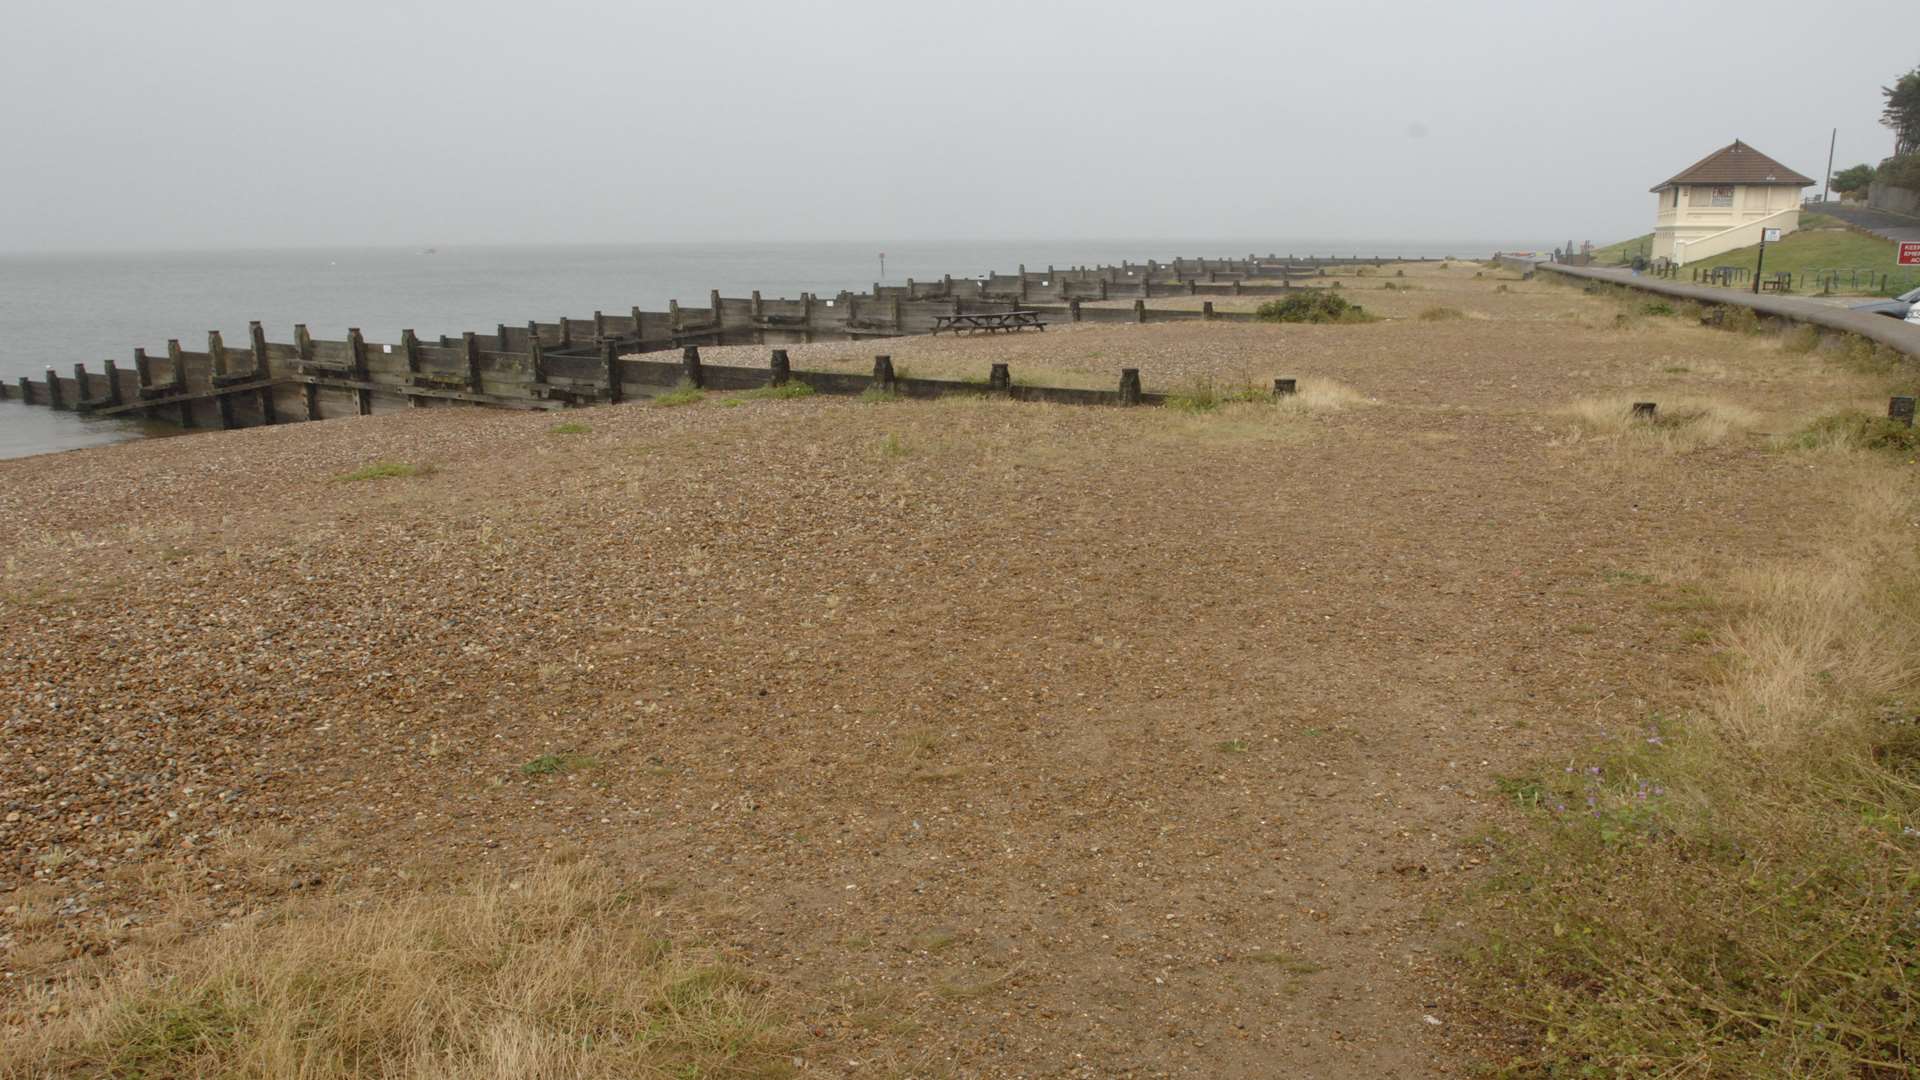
(1722,202)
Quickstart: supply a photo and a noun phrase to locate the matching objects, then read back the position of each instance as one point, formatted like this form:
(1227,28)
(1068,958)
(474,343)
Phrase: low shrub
(1852,429)
(1442,314)
(1312,306)
(684,394)
(783,392)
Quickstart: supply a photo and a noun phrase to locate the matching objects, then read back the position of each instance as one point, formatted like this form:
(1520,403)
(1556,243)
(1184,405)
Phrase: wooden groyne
(576,361)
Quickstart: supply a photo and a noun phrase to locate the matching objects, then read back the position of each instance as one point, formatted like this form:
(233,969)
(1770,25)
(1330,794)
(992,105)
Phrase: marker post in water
(1766,236)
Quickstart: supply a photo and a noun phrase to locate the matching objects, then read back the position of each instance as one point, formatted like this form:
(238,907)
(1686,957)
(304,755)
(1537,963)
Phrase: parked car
(1895,308)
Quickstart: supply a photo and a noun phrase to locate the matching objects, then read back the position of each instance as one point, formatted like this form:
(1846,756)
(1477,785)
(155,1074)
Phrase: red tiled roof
(1736,164)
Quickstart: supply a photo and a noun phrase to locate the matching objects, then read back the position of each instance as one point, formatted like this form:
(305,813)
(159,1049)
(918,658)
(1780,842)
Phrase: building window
(1713,196)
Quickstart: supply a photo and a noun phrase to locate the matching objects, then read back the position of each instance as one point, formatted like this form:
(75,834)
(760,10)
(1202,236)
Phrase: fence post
(610,356)
(410,350)
(470,345)
(357,349)
(1130,386)
(782,370)
(690,365)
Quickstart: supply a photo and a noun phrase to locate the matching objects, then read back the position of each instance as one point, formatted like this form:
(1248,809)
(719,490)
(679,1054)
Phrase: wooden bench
(991,321)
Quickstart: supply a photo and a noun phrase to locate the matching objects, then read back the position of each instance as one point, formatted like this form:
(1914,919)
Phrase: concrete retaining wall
(1896,200)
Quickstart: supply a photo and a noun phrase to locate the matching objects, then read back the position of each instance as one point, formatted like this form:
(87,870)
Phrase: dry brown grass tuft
(560,974)
(1683,424)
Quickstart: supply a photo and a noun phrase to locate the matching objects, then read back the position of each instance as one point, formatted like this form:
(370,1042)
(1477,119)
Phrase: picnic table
(991,321)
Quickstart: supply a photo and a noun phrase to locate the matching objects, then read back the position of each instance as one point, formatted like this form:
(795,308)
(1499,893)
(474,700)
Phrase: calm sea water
(60,309)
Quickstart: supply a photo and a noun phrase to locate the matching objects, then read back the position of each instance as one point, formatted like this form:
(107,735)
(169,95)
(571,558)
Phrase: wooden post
(894,316)
(410,347)
(1130,386)
(1206,311)
(1139,311)
(758,312)
(610,356)
(55,399)
(1073,310)
(224,401)
(1103,288)
(257,342)
(113,382)
(713,301)
(566,333)
(883,379)
(311,392)
(26,390)
(1644,410)
(537,357)
(673,317)
(143,371)
(303,343)
(80,381)
(999,378)
(217,350)
(599,326)
(1285,387)
(781,370)
(690,364)
(1901,409)
(357,351)
(471,345)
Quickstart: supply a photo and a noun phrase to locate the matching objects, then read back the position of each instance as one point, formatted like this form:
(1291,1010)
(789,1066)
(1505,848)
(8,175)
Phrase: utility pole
(1831,143)
(1761,260)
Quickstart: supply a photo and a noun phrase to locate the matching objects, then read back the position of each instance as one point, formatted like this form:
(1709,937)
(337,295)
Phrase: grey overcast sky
(135,124)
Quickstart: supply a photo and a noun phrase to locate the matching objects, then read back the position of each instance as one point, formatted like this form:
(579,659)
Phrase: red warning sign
(1910,253)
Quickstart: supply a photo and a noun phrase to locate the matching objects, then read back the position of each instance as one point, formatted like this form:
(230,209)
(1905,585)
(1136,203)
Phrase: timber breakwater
(581,361)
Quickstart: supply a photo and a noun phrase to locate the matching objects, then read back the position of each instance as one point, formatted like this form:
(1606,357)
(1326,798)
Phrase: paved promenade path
(1878,222)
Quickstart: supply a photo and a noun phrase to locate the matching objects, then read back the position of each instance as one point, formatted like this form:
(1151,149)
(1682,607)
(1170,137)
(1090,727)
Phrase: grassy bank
(1821,244)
